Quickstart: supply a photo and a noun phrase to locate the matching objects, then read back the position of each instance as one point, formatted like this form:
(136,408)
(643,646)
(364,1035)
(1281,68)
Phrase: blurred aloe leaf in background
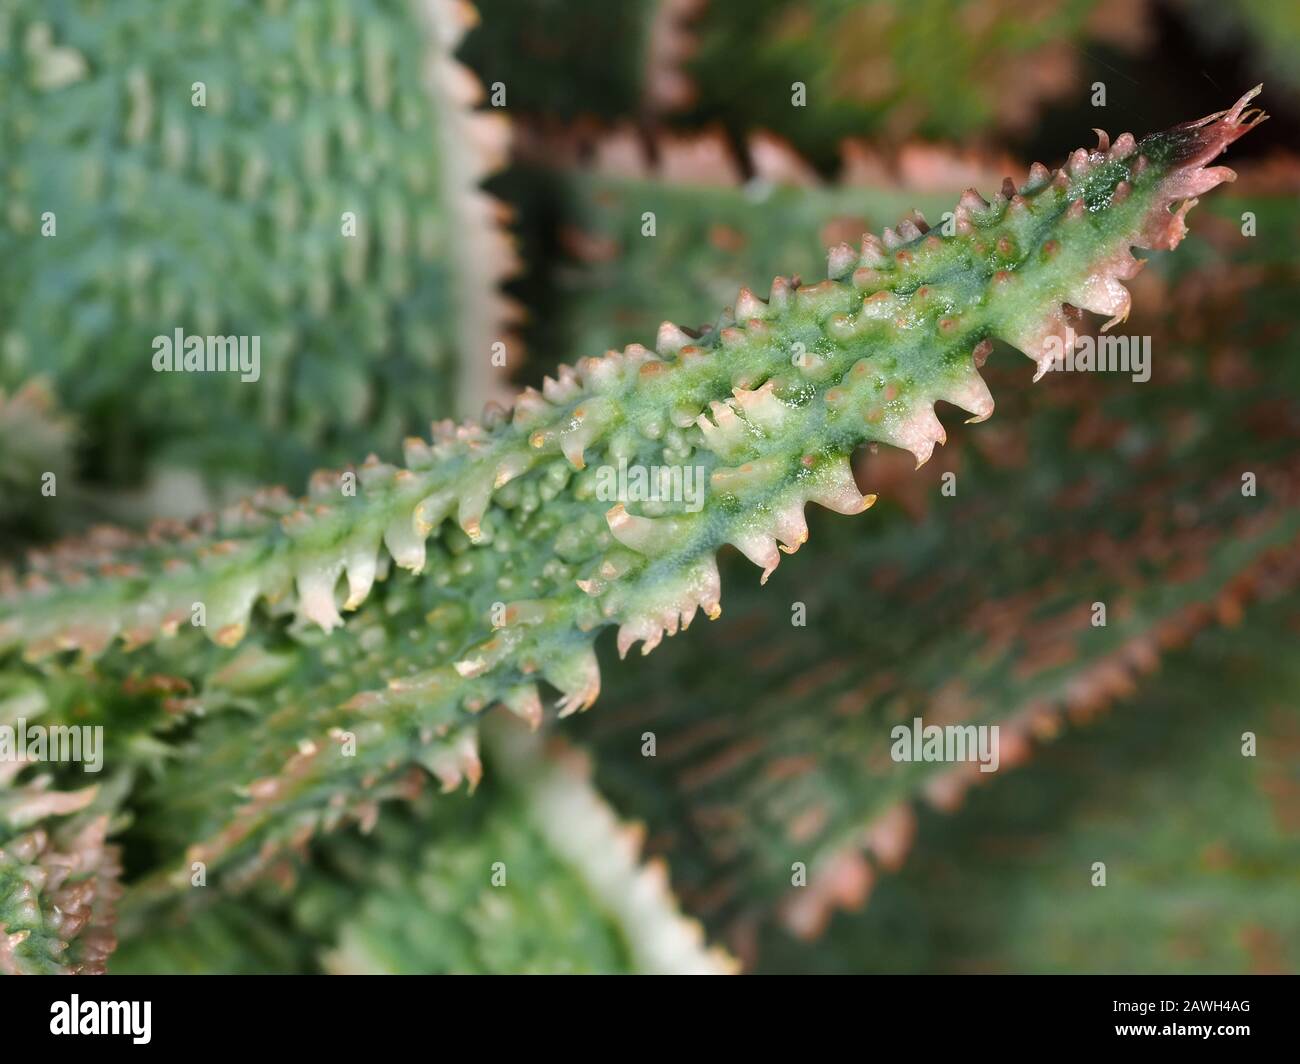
(304,173)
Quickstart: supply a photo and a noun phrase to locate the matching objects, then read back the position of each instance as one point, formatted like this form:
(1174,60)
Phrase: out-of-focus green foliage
(1201,844)
(891,70)
(193,166)
(36,440)
(416,895)
(1269,29)
(559,60)
(533,875)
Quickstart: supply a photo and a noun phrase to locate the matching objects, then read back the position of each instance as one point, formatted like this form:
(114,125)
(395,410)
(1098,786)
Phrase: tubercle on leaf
(768,405)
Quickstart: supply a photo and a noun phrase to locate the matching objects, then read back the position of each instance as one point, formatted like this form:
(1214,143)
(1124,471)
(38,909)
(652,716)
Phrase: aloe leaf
(336,151)
(1165,795)
(771,403)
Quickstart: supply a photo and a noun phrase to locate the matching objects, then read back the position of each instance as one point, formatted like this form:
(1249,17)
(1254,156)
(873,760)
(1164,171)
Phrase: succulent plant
(518,551)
